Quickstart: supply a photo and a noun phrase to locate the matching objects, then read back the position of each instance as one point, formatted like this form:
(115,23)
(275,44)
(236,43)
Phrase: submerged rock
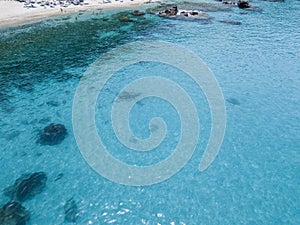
(233,101)
(232,22)
(58,177)
(128,95)
(53,134)
(125,19)
(254,9)
(13,213)
(27,186)
(71,211)
(53,103)
(5,104)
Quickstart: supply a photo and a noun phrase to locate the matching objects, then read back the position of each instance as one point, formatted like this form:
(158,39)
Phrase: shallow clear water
(254,178)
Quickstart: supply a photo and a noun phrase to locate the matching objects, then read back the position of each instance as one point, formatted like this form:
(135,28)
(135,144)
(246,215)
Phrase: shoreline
(13,13)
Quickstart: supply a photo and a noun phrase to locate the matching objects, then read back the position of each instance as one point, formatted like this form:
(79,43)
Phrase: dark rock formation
(13,213)
(243,4)
(174,13)
(229,3)
(184,13)
(27,186)
(53,134)
(138,13)
(71,211)
(169,12)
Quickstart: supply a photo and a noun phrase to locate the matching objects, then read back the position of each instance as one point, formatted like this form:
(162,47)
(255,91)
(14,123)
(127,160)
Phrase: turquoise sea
(253,179)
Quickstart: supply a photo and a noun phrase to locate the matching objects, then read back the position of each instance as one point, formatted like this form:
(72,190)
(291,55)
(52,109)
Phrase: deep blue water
(253,179)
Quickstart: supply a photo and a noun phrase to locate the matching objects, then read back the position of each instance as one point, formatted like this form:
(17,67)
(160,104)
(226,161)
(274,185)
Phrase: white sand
(13,12)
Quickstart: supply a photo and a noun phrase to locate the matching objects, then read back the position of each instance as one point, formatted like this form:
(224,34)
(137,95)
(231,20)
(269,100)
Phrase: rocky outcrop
(243,4)
(175,13)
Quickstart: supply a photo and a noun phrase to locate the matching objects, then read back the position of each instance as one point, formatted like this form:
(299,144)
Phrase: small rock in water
(128,95)
(125,19)
(58,177)
(53,103)
(27,186)
(53,134)
(71,211)
(13,213)
(233,101)
(138,13)
(245,5)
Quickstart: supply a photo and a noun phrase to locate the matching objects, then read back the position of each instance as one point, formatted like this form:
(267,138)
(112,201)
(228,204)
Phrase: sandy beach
(14,13)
